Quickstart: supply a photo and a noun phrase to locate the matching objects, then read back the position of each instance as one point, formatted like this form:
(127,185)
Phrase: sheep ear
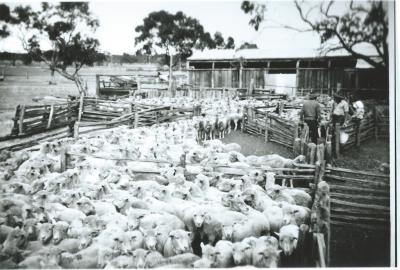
(277,234)
(202,245)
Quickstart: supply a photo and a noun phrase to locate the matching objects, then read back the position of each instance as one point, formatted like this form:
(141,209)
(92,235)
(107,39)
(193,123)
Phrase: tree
(362,23)
(60,25)
(230,43)
(247,45)
(176,34)
(5,17)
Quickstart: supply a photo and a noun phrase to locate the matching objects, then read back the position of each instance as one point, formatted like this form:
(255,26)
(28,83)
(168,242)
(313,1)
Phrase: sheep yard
(155,182)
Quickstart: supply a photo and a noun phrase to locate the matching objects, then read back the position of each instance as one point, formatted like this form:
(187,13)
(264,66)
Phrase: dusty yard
(252,145)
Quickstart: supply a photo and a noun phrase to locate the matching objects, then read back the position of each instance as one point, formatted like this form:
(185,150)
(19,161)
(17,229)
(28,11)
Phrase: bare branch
(358,8)
(306,20)
(326,11)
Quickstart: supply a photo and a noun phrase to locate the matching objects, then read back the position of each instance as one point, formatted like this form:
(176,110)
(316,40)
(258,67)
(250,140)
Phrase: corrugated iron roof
(286,53)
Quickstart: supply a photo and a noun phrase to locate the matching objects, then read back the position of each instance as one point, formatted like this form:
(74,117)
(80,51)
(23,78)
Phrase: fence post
(97,85)
(76,129)
(63,160)
(295,136)
(21,119)
(80,108)
(320,215)
(266,128)
(16,117)
(376,123)
(50,116)
(136,119)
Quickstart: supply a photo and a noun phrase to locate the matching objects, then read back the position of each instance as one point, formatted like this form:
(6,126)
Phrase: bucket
(344,137)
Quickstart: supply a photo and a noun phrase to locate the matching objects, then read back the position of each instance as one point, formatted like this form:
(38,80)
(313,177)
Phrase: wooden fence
(272,126)
(34,119)
(382,121)
(360,213)
(98,110)
(141,115)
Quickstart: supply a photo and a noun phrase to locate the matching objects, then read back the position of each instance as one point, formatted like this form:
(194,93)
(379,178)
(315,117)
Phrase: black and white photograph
(198,134)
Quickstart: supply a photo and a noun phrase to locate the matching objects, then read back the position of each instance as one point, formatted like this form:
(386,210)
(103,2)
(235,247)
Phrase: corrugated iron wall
(315,79)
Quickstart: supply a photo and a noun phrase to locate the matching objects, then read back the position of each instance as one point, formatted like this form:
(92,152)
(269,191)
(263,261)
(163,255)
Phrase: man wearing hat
(311,114)
(340,114)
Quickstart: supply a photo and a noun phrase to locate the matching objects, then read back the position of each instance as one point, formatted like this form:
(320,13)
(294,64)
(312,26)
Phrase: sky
(118,20)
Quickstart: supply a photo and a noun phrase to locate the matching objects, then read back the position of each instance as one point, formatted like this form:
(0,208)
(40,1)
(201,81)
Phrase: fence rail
(30,120)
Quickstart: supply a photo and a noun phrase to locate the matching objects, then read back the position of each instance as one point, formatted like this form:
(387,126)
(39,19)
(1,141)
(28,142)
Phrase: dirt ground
(252,145)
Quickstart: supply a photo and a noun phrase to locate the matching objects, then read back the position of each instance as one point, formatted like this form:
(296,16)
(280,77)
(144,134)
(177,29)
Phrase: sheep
(241,230)
(4,231)
(232,147)
(71,245)
(133,240)
(122,261)
(45,232)
(60,230)
(178,242)
(257,199)
(185,259)
(276,161)
(300,197)
(146,259)
(274,214)
(202,263)
(208,253)
(15,241)
(242,253)
(223,252)
(288,236)
(278,194)
(227,185)
(265,256)
(295,214)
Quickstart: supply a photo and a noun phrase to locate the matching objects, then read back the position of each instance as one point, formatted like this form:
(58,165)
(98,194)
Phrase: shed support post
(297,77)
(266,127)
(212,74)
(241,75)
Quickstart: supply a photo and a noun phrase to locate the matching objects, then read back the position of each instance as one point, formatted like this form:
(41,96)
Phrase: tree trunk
(80,85)
(52,79)
(170,74)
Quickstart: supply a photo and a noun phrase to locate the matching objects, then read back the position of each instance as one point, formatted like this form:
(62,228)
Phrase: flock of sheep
(125,201)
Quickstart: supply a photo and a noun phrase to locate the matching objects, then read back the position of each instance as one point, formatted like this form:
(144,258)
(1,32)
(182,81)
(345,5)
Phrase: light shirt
(359,109)
(341,109)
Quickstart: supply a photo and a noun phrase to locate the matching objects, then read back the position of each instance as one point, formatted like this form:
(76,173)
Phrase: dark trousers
(313,129)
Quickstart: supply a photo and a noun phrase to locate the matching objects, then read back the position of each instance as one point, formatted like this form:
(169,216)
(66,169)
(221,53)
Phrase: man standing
(311,114)
(340,114)
(357,115)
